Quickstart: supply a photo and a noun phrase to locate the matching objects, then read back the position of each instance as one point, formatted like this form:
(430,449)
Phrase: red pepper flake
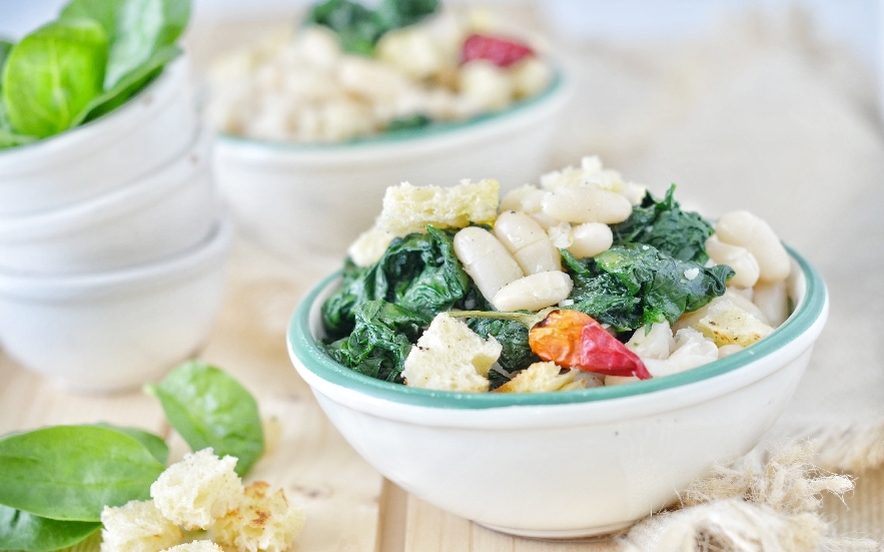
(502,52)
(573,339)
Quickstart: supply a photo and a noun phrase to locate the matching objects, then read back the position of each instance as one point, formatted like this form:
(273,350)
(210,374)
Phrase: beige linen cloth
(765,116)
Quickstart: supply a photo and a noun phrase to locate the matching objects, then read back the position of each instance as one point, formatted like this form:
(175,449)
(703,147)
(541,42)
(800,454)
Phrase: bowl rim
(807,316)
(558,87)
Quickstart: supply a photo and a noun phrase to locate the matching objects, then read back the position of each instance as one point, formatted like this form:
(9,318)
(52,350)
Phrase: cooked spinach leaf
(513,337)
(635,284)
(664,225)
(419,273)
(359,28)
(381,339)
(52,75)
(23,531)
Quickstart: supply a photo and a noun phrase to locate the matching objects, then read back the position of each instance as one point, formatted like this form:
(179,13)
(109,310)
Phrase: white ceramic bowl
(113,331)
(294,198)
(571,463)
(161,214)
(149,130)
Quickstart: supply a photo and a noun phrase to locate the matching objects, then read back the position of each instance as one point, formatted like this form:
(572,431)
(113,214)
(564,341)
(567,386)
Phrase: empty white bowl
(112,331)
(569,463)
(318,198)
(161,214)
(149,130)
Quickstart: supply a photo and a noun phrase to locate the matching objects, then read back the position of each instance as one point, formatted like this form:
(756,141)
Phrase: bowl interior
(806,289)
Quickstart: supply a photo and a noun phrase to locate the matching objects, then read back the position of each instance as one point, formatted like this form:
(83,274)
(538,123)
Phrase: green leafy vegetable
(380,341)
(631,285)
(72,472)
(513,338)
(52,75)
(153,443)
(23,531)
(359,28)
(209,408)
(137,30)
(664,225)
(412,121)
(420,273)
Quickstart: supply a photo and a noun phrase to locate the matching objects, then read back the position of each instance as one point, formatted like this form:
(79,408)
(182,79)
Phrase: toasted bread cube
(408,209)
(137,526)
(726,324)
(543,376)
(263,522)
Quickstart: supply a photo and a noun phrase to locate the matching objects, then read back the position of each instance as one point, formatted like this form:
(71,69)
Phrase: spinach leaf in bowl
(52,75)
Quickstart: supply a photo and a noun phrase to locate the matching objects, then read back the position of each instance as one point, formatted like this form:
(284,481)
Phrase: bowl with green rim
(564,464)
(298,199)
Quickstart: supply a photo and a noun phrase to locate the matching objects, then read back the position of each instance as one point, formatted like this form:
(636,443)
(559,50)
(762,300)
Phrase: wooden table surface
(349,507)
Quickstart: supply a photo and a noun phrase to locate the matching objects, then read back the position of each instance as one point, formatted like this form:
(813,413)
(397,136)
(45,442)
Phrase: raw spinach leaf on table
(52,75)
(209,408)
(358,28)
(153,443)
(23,531)
(664,225)
(635,284)
(136,29)
(72,472)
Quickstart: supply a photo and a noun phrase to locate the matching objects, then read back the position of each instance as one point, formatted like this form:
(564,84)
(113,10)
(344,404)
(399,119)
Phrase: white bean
(527,242)
(739,258)
(586,204)
(590,238)
(525,198)
(747,230)
(773,301)
(654,342)
(534,292)
(485,259)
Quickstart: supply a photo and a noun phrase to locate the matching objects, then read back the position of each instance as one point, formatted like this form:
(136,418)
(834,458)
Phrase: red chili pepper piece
(499,51)
(573,339)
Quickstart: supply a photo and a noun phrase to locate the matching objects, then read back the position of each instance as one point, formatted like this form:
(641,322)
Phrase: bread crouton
(543,376)
(450,356)
(201,487)
(263,522)
(196,546)
(137,526)
(726,324)
(408,209)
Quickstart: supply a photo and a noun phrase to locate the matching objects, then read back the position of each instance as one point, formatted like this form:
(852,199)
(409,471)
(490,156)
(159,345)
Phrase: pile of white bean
(303,88)
(517,265)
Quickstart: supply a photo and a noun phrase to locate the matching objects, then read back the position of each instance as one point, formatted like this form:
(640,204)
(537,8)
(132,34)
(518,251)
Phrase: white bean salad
(305,86)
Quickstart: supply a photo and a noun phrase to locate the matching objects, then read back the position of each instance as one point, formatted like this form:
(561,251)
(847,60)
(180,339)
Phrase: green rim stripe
(314,358)
(431,130)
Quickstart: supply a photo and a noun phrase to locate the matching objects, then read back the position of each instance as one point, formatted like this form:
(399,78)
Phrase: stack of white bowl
(112,245)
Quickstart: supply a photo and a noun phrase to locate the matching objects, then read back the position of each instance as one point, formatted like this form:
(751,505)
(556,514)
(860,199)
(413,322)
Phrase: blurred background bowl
(146,132)
(568,463)
(298,198)
(161,214)
(113,331)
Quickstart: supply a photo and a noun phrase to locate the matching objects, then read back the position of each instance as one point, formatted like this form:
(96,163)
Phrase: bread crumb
(137,526)
(262,522)
(201,487)
(543,376)
(450,356)
(726,324)
(408,209)
(196,546)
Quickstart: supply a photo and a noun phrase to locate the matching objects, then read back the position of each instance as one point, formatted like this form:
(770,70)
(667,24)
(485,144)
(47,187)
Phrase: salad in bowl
(570,356)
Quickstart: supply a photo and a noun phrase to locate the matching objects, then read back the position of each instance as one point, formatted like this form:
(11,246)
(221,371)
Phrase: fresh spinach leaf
(23,531)
(420,273)
(153,443)
(137,30)
(72,472)
(52,74)
(631,285)
(664,225)
(209,408)
(380,341)
(128,86)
